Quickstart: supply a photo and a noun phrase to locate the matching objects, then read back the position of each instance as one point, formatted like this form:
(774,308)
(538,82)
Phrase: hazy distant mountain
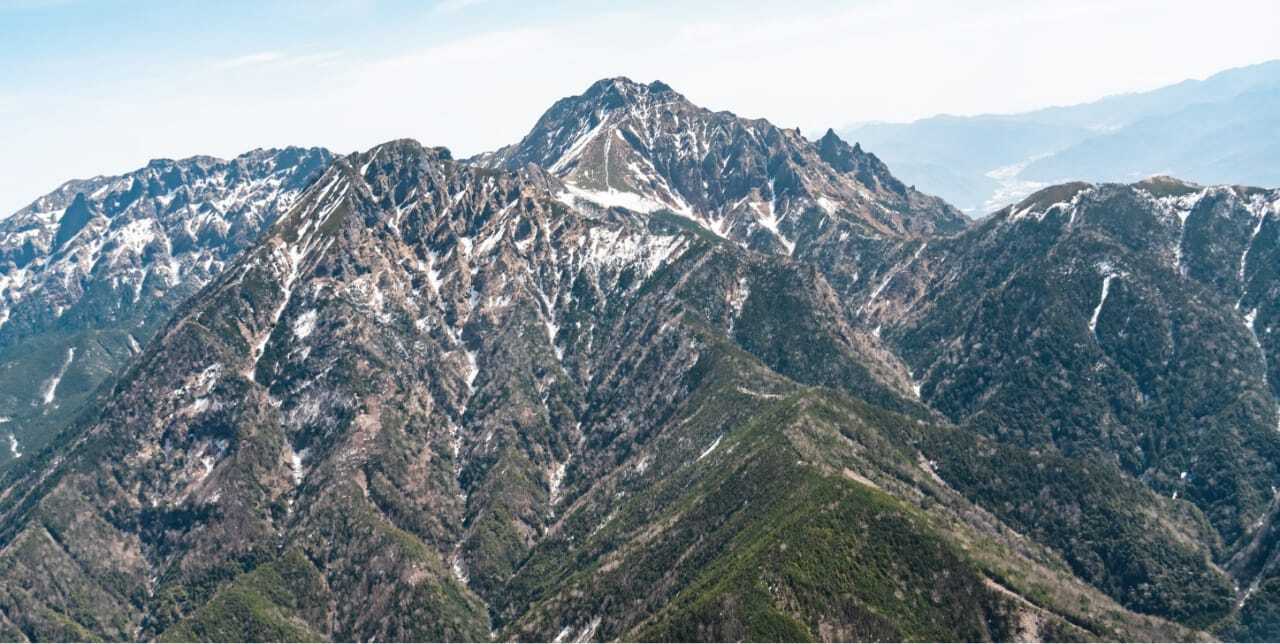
(1224,129)
(1232,141)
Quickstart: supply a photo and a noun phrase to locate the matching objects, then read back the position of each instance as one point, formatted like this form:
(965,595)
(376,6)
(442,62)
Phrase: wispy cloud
(365,71)
(248,60)
(318,59)
(279,59)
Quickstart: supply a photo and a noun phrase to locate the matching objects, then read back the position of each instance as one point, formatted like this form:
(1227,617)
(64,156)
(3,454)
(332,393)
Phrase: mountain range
(652,372)
(91,270)
(1218,130)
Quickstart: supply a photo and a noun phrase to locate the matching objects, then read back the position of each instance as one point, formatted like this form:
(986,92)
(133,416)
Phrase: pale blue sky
(101,87)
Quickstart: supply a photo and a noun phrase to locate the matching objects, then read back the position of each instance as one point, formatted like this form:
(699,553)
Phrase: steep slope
(90,271)
(1150,555)
(647,148)
(435,402)
(1124,323)
(648,374)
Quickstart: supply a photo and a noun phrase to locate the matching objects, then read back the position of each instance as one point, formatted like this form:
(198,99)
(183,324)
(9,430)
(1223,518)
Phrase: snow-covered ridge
(157,227)
(646,148)
(114,256)
(444,246)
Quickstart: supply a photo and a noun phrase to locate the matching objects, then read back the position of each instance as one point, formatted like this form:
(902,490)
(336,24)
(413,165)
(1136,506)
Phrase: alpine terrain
(91,270)
(651,373)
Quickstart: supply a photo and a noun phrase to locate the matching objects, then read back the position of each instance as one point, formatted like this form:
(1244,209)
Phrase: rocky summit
(647,148)
(652,373)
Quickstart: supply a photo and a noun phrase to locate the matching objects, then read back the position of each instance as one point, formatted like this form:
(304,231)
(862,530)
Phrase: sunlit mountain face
(651,373)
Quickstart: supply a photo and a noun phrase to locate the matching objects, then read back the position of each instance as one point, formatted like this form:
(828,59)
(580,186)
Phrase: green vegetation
(1108,528)
(524,436)
(1258,619)
(834,559)
(271,603)
(785,324)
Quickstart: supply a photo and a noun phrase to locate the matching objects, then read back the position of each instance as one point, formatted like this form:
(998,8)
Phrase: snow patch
(134,237)
(576,148)
(304,325)
(458,569)
(738,299)
(610,198)
(588,631)
(749,392)
(548,320)
(51,389)
(433,272)
(889,277)
(296,459)
(769,218)
(197,407)
(1180,208)
(618,248)
(555,479)
(643,464)
(707,452)
(1244,255)
(1097,310)
(473,369)
(487,244)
